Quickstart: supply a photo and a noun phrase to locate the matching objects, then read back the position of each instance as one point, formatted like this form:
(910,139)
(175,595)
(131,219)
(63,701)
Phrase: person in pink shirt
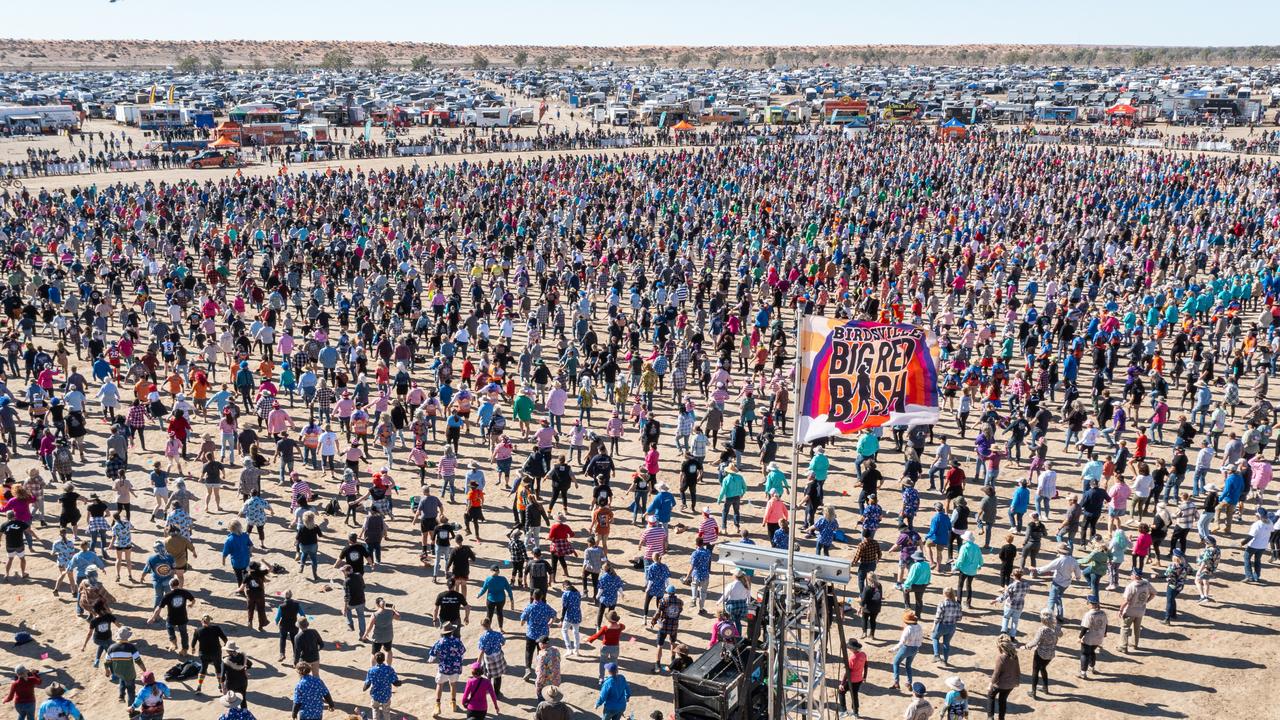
(652,462)
(477,693)
(278,420)
(614,429)
(775,511)
(1142,546)
(1119,494)
(555,406)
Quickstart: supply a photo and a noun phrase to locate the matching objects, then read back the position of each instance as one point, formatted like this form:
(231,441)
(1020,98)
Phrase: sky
(655,22)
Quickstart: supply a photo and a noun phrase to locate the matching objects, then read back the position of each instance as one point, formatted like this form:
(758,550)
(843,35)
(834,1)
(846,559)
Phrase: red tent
(1122,109)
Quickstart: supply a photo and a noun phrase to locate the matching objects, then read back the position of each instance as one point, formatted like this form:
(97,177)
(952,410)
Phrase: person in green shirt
(732,488)
(968,562)
(916,582)
(522,410)
(868,447)
(775,480)
(820,465)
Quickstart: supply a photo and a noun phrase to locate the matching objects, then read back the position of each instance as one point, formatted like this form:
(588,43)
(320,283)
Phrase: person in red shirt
(22,691)
(855,671)
(610,635)
(559,536)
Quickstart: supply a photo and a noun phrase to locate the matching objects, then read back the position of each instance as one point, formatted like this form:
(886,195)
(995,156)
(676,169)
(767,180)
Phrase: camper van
(619,114)
(487,117)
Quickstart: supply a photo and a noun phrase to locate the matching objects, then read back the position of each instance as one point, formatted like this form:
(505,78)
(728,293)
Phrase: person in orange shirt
(174,383)
(475,509)
(142,389)
(200,390)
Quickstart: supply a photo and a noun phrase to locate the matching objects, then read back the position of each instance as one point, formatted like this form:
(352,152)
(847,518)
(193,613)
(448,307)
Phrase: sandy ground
(1207,665)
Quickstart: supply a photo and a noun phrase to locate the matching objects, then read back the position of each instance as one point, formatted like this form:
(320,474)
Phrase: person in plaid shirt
(945,621)
(1175,577)
(519,556)
(1014,597)
(325,398)
(136,421)
(667,621)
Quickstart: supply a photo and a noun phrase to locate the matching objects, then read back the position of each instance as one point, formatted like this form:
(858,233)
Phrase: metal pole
(795,478)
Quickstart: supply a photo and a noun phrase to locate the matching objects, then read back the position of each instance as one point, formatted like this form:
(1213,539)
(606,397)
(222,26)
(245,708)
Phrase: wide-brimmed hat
(954,682)
(232,699)
(551,693)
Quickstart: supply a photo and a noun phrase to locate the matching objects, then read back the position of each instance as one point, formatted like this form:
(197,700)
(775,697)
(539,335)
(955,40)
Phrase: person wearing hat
(123,663)
(956,702)
(1175,576)
(22,691)
(666,620)
(908,645)
(916,582)
(1093,629)
(447,653)
(614,695)
(919,708)
(234,703)
(855,671)
(546,665)
(235,671)
(149,703)
(1064,569)
(552,706)
(1137,594)
(58,706)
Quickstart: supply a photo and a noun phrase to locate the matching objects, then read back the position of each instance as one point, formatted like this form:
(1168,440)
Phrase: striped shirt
(448,466)
(654,540)
(709,531)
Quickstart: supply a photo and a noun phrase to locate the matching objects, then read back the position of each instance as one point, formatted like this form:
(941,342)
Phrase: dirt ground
(1206,665)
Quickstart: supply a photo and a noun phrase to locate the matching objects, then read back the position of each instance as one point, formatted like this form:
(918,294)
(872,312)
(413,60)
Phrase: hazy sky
(655,22)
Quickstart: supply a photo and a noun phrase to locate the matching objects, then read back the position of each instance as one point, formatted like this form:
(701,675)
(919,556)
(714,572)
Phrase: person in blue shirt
(496,590)
(662,504)
(655,581)
(1018,505)
(571,617)
(58,706)
(537,617)
(614,694)
(1233,491)
(160,566)
(378,681)
(310,695)
(608,587)
(699,574)
(238,546)
(939,535)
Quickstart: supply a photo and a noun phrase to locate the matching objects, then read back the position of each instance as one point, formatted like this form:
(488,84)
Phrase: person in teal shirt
(916,581)
(820,465)
(732,488)
(968,563)
(775,480)
(868,446)
(496,590)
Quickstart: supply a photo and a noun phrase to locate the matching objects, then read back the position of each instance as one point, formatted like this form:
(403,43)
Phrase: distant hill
(145,54)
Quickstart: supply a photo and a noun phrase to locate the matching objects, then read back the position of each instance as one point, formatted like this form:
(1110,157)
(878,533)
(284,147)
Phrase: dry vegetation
(78,54)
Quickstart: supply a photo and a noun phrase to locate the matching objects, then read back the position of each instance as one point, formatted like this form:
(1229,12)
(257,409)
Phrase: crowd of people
(548,383)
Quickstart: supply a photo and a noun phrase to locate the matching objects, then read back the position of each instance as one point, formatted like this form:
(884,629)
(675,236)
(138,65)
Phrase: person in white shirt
(908,646)
(1046,489)
(1259,538)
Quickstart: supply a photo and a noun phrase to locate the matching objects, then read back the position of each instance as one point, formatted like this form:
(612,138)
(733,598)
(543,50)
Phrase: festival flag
(856,375)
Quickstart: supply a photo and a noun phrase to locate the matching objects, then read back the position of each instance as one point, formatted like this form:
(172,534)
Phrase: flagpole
(792,530)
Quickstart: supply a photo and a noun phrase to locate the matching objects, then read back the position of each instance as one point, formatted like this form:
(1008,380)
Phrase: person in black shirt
(208,640)
(255,593)
(15,533)
(450,605)
(175,603)
(353,555)
(286,447)
(287,614)
(561,479)
(690,473)
(353,597)
(372,534)
(235,671)
(100,631)
(458,569)
(307,646)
